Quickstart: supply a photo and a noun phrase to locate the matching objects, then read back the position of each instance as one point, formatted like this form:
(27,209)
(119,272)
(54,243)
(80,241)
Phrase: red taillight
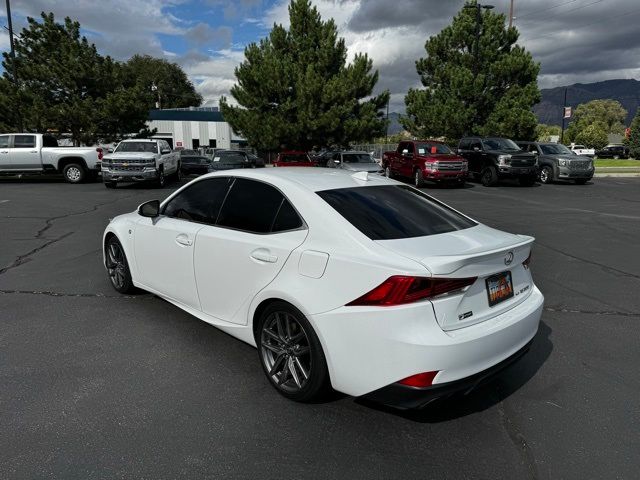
(398,290)
(419,380)
(526,263)
(99,150)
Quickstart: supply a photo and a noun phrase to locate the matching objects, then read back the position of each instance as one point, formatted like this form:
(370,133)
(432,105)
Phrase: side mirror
(336,162)
(150,209)
(165,151)
(476,149)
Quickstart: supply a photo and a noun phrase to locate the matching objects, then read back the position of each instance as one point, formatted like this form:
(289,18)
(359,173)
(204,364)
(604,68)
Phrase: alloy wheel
(74,174)
(387,172)
(116,265)
(286,352)
(544,175)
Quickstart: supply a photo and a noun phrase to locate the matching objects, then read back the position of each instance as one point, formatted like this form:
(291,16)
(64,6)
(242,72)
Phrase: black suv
(492,159)
(557,162)
(613,151)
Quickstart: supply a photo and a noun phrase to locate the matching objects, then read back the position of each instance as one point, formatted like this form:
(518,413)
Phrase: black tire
(288,348)
(581,181)
(461,184)
(546,174)
(527,181)
(117,266)
(178,175)
(74,173)
(110,184)
(418,179)
(161,181)
(616,157)
(489,176)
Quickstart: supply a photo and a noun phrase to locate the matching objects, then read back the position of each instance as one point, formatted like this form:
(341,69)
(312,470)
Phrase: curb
(617,174)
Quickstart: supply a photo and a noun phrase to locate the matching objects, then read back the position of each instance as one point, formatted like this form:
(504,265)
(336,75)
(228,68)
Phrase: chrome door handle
(33,151)
(183,239)
(263,255)
(4,151)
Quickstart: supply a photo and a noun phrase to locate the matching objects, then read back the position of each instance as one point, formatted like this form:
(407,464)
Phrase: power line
(545,9)
(632,12)
(566,11)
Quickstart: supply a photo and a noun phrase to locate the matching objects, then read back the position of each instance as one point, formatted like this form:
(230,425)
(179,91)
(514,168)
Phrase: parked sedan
(350,281)
(228,159)
(613,151)
(354,162)
(195,165)
(293,159)
(557,162)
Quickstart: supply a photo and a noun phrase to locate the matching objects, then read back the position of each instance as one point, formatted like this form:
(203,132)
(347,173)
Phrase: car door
(25,155)
(256,231)
(5,158)
(475,155)
(164,246)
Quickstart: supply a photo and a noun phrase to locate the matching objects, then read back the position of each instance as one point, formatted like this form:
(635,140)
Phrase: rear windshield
(356,158)
(433,148)
(148,147)
(391,212)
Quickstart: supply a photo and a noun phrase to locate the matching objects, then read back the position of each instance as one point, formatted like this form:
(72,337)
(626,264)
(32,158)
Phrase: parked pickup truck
(140,160)
(425,160)
(582,150)
(29,153)
(493,158)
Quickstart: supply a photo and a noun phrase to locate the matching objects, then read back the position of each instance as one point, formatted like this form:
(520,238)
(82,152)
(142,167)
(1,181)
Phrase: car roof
(309,179)
(140,140)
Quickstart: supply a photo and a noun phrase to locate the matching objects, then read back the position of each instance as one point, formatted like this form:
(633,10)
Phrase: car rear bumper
(370,348)
(405,397)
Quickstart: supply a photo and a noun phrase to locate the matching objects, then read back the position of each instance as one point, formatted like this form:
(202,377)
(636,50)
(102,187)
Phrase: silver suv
(557,162)
(140,160)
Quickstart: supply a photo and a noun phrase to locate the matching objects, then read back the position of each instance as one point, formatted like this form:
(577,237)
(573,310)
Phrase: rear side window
(200,202)
(49,141)
(4,141)
(392,212)
(257,207)
(24,141)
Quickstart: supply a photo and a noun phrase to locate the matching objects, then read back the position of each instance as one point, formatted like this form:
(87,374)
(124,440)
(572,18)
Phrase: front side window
(199,202)
(257,207)
(294,157)
(500,144)
(555,149)
(392,212)
(24,141)
(142,147)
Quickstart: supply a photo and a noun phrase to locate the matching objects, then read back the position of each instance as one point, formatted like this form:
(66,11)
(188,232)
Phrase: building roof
(186,115)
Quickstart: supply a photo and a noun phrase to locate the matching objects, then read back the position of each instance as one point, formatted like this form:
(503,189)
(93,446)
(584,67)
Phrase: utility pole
(13,63)
(387,132)
(154,88)
(564,115)
(511,15)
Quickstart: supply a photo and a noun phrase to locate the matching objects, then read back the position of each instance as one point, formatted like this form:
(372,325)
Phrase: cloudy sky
(574,40)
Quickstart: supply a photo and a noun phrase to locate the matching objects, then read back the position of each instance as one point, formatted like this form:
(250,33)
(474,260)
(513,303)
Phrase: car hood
(519,153)
(361,167)
(125,155)
(569,156)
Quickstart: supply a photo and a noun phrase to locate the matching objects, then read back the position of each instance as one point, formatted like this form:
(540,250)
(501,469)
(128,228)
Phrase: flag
(567,112)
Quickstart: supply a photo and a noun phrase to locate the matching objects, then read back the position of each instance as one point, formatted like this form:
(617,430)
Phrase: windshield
(293,157)
(195,159)
(580,147)
(356,158)
(146,147)
(229,157)
(500,144)
(433,148)
(555,149)
(188,153)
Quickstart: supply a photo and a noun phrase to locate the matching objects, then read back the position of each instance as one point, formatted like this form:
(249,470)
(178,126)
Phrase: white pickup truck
(582,150)
(29,153)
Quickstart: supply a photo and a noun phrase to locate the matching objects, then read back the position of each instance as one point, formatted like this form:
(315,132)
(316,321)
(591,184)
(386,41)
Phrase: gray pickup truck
(140,160)
(35,153)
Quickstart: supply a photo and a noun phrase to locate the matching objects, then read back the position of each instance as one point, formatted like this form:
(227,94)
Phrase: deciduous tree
(634,136)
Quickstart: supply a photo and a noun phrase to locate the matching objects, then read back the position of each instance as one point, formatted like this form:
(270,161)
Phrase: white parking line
(4,201)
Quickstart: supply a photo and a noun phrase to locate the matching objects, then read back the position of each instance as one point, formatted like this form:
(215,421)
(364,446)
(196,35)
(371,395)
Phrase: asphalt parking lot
(97,385)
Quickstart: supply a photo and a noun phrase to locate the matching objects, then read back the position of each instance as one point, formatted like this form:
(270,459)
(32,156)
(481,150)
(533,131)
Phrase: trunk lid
(480,252)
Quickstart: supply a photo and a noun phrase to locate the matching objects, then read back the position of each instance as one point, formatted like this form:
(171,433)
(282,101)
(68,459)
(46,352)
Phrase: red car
(293,159)
(425,160)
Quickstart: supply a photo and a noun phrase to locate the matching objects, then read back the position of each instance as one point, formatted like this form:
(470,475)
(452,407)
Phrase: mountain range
(627,92)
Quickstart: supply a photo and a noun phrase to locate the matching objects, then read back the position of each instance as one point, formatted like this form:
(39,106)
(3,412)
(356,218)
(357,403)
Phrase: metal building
(194,127)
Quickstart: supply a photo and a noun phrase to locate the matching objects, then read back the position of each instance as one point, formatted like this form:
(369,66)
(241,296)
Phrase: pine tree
(634,136)
(296,91)
(483,88)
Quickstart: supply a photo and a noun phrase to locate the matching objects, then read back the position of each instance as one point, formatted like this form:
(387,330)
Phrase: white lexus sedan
(347,281)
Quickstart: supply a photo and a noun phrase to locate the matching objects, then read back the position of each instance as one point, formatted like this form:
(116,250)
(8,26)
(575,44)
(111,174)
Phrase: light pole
(13,63)
(154,88)
(478,7)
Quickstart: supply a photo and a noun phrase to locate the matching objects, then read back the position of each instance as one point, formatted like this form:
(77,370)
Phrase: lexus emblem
(508,258)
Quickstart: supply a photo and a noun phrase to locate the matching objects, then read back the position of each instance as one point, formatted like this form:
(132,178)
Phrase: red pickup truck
(425,160)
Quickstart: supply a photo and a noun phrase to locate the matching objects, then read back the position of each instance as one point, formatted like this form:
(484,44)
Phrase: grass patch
(609,162)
